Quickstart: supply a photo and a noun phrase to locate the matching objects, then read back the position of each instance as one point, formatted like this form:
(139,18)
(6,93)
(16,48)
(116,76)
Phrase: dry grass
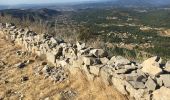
(38,88)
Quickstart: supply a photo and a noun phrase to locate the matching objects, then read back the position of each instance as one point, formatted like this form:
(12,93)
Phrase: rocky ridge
(147,81)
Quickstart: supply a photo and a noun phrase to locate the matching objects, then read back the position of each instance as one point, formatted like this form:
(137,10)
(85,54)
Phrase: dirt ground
(12,87)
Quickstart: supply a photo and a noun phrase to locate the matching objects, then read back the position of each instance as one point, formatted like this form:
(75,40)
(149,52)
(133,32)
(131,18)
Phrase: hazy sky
(11,2)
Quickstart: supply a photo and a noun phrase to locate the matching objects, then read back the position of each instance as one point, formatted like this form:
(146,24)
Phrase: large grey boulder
(152,66)
(161,94)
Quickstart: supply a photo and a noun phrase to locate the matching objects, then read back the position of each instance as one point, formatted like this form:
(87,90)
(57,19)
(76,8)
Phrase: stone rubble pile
(56,74)
(147,81)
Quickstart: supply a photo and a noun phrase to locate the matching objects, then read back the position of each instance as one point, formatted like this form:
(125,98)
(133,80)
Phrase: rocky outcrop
(145,81)
(152,66)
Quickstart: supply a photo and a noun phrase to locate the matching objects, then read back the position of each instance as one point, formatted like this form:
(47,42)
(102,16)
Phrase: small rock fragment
(20,65)
(24,78)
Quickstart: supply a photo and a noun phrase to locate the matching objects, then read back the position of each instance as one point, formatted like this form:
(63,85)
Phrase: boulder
(80,46)
(95,69)
(98,53)
(118,60)
(135,77)
(91,61)
(120,85)
(138,94)
(53,40)
(152,66)
(125,69)
(51,57)
(165,78)
(121,71)
(104,60)
(150,84)
(137,85)
(167,66)
(106,74)
(159,81)
(161,94)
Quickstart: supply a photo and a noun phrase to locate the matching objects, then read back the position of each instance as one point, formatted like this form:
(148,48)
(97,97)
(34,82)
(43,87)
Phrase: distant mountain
(3,7)
(32,14)
(94,4)
(140,3)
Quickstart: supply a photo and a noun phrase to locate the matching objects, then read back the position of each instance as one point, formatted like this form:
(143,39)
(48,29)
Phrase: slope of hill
(32,14)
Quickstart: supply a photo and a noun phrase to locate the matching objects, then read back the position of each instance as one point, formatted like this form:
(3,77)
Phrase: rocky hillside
(22,78)
(141,81)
